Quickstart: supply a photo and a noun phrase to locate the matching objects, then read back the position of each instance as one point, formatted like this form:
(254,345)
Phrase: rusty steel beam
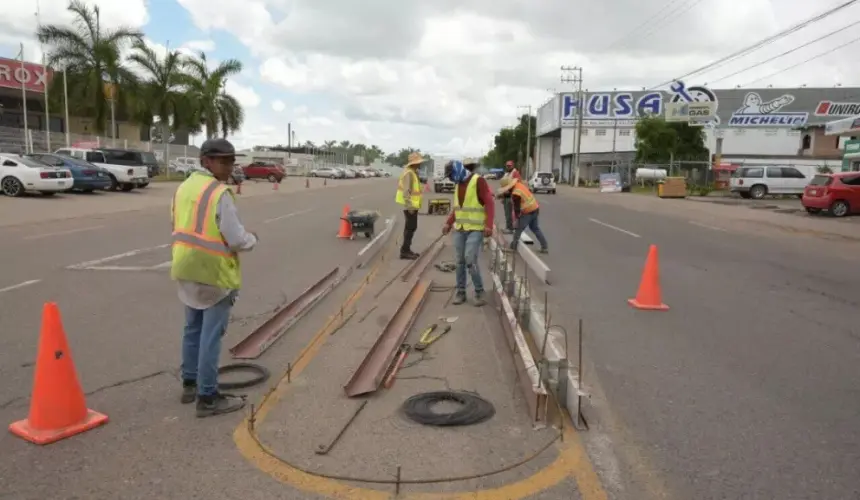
(265,335)
(419,265)
(373,367)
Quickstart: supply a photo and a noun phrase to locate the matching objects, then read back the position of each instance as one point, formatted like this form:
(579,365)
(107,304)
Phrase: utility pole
(289,140)
(614,138)
(528,141)
(573,74)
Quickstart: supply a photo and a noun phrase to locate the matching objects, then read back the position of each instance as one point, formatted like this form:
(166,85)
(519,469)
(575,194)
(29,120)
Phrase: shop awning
(843,126)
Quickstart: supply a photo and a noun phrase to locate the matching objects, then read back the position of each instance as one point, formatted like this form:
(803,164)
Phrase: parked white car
(542,181)
(20,174)
(185,164)
(123,175)
(760,181)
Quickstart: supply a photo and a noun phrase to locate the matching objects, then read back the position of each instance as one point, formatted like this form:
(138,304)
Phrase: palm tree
(329,145)
(161,94)
(215,110)
(91,57)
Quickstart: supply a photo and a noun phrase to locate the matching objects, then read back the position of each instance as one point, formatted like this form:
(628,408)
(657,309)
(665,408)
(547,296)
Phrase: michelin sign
(757,113)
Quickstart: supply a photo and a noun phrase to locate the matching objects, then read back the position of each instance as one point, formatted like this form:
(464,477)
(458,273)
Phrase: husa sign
(623,109)
(34,77)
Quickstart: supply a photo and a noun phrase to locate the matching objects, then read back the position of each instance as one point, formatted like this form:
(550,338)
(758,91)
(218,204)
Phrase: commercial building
(780,124)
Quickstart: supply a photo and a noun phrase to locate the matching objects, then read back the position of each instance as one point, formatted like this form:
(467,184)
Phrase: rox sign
(33,77)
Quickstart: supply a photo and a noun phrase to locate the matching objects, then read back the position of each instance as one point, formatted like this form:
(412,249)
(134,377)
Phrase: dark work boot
(189,392)
(459,298)
(218,404)
(407,255)
(480,300)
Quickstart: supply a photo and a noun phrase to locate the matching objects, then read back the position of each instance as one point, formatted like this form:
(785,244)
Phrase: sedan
(838,194)
(19,174)
(329,172)
(87,177)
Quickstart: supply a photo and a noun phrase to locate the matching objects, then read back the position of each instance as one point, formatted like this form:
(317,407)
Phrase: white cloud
(245,94)
(200,45)
(278,106)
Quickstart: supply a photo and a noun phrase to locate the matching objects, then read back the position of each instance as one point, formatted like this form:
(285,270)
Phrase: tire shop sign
(33,77)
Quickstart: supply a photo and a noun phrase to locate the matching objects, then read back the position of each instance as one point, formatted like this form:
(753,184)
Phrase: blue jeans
(529,221)
(201,344)
(467,247)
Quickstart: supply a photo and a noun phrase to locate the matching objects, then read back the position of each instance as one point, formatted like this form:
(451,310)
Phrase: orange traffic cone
(649,296)
(345,226)
(275,186)
(57,406)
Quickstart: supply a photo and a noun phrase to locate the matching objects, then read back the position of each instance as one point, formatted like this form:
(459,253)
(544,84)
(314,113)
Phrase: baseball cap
(217,147)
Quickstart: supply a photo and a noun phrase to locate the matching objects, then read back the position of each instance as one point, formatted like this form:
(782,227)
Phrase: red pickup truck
(265,170)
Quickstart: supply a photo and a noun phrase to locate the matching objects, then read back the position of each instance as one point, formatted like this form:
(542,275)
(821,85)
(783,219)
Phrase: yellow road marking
(572,460)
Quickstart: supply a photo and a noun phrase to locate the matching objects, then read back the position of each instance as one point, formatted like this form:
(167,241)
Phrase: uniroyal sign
(830,108)
(34,77)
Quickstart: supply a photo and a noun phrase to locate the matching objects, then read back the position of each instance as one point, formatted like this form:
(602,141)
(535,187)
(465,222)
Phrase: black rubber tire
(11,186)
(840,208)
(272,178)
(758,192)
(262,374)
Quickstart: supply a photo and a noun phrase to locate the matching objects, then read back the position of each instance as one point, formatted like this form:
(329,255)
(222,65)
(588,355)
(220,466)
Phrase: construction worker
(409,195)
(511,172)
(526,209)
(472,218)
(207,237)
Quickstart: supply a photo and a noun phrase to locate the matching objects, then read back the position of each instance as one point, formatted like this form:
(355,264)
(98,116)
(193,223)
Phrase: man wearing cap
(207,238)
(409,196)
(472,218)
(526,209)
(510,172)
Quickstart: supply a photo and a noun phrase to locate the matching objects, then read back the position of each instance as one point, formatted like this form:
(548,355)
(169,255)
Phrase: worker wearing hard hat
(526,209)
(472,219)
(409,196)
(512,173)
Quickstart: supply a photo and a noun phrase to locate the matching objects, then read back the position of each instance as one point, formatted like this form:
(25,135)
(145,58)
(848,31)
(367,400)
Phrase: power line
(645,23)
(761,43)
(787,52)
(672,18)
(822,54)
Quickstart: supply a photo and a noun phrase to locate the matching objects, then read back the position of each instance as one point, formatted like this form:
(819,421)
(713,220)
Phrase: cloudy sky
(445,75)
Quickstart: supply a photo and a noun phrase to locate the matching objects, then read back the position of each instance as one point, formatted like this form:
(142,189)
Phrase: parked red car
(838,194)
(265,170)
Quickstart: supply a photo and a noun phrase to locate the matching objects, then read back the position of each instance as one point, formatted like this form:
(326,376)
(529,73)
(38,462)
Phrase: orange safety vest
(528,202)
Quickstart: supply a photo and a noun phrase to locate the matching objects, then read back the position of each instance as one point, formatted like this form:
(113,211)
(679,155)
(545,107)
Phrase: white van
(759,181)
(125,175)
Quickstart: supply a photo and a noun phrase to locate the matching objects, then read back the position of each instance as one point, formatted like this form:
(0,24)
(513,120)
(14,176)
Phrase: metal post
(289,140)
(581,100)
(66,104)
(24,100)
(529,144)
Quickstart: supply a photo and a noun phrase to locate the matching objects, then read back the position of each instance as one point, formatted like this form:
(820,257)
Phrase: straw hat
(470,161)
(414,159)
(507,181)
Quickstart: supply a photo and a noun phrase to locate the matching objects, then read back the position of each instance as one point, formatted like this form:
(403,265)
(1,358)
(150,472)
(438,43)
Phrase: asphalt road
(748,386)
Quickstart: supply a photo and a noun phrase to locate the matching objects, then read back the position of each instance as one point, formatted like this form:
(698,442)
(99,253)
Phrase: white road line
(61,233)
(123,268)
(118,256)
(358,196)
(19,285)
(287,216)
(706,226)
(610,226)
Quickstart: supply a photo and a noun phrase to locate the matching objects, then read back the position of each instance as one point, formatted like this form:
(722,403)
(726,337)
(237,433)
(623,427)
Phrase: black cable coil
(261,375)
(474,409)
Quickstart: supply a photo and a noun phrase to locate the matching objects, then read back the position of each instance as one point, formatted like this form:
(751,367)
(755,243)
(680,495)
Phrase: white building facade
(780,124)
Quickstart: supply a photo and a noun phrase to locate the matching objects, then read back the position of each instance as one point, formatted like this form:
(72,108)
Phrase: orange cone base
(647,307)
(23,430)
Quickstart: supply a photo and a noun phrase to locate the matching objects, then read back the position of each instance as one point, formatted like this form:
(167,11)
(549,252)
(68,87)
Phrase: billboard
(34,77)
(548,116)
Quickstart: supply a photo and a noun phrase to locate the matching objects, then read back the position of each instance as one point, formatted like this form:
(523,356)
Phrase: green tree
(511,143)
(400,158)
(91,56)
(659,141)
(160,97)
(215,110)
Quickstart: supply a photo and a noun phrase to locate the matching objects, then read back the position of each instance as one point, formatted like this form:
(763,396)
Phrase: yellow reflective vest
(470,216)
(528,202)
(200,253)
(405,191)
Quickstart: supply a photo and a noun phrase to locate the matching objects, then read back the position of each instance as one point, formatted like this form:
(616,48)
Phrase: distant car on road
(542,181)
(838,194)
(759,181)
(19,174)
(86,176)
(330,172)
(265,170)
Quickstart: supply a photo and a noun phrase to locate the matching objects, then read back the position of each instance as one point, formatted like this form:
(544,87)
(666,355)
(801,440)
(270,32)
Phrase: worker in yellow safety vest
(409,196)
(207,237)
(526,210)
(472,218)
